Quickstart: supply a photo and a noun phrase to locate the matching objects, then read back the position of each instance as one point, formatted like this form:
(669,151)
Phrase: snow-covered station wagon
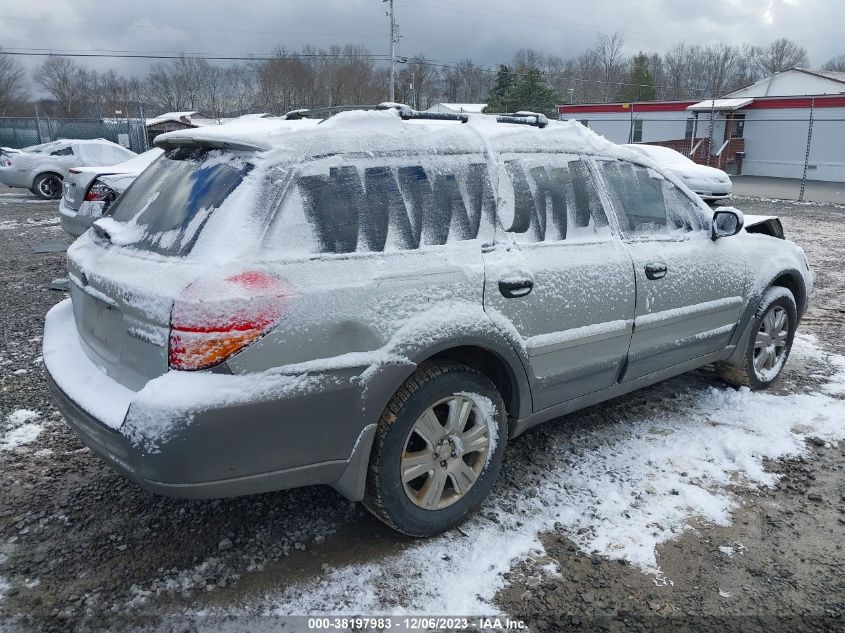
(380,301)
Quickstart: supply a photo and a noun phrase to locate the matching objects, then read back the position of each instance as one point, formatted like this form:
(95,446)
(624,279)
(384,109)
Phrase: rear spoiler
(9,150)
(212,143)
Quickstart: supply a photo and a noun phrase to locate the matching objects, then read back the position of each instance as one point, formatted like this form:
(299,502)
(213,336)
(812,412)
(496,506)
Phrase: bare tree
(12,89)
(720,66)
(835,64)
(66,81)
(608,52)
(420,78)
(780,55)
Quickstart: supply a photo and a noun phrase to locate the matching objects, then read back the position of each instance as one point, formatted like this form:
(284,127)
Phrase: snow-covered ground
(617,490)
(23,427)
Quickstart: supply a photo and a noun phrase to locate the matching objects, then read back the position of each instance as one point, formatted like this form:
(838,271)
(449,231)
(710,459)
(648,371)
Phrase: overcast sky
(488,31)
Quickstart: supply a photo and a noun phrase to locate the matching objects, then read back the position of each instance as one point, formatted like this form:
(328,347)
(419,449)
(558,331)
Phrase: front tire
(772,332)
(48,186)
(438,449)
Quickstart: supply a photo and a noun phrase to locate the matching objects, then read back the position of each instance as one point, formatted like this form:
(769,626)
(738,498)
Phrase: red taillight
(213,319)
(99,192)
(8,162)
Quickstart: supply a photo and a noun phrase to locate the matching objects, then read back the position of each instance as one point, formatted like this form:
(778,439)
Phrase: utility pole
(392,50)
(807,151)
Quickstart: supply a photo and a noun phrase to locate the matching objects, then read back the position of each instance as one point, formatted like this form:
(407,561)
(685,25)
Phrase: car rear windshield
(166,207)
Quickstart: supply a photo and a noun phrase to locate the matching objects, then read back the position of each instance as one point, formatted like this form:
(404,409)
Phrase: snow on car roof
(368,131)
(255,132)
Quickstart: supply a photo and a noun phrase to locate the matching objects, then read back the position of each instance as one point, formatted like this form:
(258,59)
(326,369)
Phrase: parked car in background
(42,168)
(708,182)
(380,307)
(88,191)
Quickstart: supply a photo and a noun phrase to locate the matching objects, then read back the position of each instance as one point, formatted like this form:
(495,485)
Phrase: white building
(759,130)
(458,108)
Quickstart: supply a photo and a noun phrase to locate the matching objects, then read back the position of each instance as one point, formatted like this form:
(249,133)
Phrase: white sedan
(708,182)
(42,168)
(88,191)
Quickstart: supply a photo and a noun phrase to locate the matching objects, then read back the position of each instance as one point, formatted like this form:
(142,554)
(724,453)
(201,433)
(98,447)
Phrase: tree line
(351,75)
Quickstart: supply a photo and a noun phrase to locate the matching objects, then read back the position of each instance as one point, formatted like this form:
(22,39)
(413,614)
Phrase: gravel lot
(80,547)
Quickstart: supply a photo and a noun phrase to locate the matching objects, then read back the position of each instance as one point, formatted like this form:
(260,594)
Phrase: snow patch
(22,429)
(617,490)
(22,416)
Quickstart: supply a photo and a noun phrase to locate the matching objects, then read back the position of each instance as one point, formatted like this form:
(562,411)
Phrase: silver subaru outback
(379,303)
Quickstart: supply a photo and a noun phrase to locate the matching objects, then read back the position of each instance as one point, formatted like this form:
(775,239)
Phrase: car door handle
(655,271)
(515,289)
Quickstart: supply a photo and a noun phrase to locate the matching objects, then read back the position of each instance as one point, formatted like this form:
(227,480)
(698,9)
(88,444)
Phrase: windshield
(165,208)
(664,154)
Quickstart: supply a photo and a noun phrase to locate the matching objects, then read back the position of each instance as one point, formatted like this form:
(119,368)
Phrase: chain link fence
(18,132)
(803,145)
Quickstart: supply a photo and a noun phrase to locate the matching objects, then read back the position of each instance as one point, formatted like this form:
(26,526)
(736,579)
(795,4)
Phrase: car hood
(698,172)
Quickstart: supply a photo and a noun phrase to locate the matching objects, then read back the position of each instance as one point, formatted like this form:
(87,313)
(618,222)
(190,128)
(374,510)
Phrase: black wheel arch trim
(382,386)
(741,333)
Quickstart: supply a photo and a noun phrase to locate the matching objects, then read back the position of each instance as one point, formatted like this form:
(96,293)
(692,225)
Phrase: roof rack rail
(323,112)
(295,115)
(407,113)
(523,117)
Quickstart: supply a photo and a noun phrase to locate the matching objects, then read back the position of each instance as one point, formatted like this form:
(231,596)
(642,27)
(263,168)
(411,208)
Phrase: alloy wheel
(770,342)
(444,453)
(50,187)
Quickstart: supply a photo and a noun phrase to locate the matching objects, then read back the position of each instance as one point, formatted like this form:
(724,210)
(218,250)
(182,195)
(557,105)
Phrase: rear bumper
(199,445)
(76,222)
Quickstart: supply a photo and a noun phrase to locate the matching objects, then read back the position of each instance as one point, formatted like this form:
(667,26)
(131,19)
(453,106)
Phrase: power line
(111,54)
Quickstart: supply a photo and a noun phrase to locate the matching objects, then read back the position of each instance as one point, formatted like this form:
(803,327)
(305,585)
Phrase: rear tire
(437,451)
(772,332)
(48,186)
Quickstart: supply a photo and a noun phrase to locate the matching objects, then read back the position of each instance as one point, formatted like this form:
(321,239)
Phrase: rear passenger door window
(552,198)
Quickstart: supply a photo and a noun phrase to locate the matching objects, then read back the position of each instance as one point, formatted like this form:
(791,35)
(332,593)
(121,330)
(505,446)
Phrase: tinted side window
(371,208)
(647,202)
(553,198)
(67,151)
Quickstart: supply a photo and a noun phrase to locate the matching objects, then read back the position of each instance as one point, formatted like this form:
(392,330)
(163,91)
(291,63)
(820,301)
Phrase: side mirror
(726,223)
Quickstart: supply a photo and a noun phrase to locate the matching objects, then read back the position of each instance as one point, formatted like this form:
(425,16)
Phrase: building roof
(719,104)
(794,82)
(584,110)
(189,118)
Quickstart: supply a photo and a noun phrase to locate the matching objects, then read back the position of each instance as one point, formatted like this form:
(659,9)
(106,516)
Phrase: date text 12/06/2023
(416,623)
